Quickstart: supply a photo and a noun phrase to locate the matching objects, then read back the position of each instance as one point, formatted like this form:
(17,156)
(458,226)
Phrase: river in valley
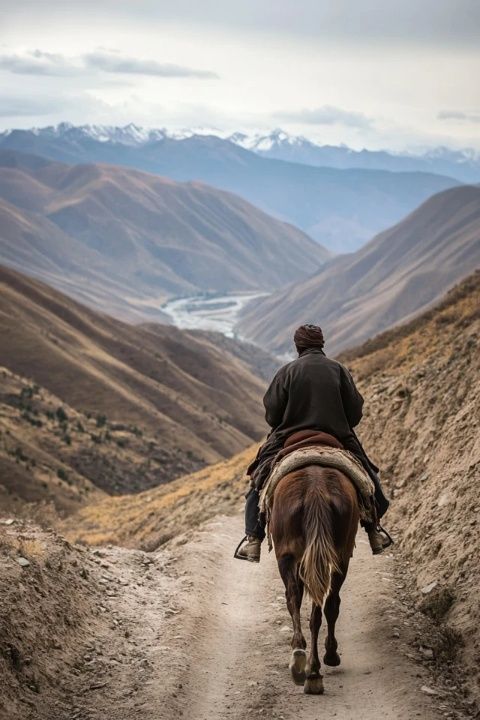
(209,312)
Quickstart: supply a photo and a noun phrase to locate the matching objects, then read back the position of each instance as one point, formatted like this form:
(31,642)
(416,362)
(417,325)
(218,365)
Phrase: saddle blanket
(330,457)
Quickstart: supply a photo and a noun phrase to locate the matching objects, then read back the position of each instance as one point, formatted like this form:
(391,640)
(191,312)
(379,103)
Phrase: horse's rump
(314,518)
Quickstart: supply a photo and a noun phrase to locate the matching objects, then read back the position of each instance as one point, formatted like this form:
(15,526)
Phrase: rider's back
(314,392)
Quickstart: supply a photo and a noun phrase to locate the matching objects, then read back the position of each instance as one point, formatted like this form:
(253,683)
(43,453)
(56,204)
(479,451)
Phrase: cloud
(458,115)
(115,63)
(326,115)
(38,62)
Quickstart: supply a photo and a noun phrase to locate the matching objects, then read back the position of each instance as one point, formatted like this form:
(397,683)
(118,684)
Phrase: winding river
(209,312)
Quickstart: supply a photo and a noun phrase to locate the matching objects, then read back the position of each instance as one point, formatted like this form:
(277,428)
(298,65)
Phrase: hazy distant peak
(281,145)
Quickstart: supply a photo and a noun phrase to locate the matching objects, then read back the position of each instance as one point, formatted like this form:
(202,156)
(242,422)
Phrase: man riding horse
(313,392)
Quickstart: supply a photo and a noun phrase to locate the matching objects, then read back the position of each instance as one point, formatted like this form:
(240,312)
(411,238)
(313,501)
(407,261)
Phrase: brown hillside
(421,424)
(398,274)
(124,240)
(195,401)
(422,385)
(54,459)
(151,518)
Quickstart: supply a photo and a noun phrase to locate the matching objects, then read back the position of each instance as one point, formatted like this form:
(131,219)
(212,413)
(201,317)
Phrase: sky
(366,73)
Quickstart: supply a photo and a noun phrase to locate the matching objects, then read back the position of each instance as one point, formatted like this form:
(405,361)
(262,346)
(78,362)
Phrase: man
(316,393)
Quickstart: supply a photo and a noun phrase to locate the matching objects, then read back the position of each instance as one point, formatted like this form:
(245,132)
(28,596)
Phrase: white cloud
(38,62)
(116,63)
(458,115)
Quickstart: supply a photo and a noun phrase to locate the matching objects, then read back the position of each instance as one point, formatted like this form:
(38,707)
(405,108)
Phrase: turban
(308,336)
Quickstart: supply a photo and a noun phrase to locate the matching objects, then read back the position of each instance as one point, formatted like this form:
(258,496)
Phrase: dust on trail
(199,635)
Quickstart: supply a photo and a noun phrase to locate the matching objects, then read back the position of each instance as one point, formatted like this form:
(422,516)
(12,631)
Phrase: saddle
(312,447)
(307,438)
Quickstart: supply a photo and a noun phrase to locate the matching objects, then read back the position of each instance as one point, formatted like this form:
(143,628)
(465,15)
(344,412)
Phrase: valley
(218,312)
(339,207)
(145,304)
(90,403)
(395,276)
(166,622)
(124,241)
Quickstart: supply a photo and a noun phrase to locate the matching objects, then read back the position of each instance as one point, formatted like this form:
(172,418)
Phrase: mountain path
(197,634)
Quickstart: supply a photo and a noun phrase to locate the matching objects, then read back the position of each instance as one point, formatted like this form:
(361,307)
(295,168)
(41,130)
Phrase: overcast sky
(368,73)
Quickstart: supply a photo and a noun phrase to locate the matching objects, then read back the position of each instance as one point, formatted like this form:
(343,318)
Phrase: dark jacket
(313,392)
(317,393)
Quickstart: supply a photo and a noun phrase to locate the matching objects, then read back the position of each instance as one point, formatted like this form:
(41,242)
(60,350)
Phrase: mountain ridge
(463,164)
(191,400)
(340,208)
(129,240)
(397,274)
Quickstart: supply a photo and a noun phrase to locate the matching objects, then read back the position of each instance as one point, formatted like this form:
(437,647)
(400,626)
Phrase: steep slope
(399,273)
(125,240)
(195,402)
(150,519)
(340,208)
(421,382)
(54,459)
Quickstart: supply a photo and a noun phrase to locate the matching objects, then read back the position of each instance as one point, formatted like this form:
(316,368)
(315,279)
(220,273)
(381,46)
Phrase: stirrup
(391,541)
(235,554)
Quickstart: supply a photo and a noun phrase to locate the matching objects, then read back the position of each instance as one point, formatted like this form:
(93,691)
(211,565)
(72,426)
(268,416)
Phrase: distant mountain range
(464,165)
(102,402)
(399,273)
(340,208)
(124,240)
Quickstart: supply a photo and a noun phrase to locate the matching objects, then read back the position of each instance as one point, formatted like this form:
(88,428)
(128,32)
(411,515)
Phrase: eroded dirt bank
(190,632)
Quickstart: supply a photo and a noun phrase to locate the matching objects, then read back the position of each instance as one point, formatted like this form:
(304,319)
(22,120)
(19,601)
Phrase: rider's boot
(251,550)
(379,539)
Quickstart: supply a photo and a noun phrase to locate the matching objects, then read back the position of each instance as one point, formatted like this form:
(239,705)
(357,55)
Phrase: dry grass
(198,403)
(149,519)
(422,390)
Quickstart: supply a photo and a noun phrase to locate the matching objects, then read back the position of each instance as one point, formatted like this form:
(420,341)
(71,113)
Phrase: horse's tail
(320,557)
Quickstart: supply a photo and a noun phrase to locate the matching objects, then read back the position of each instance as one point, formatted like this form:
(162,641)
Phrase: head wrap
(308,336)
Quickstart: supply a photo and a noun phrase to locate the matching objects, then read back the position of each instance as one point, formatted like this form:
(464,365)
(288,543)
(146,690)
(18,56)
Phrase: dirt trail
(195,634)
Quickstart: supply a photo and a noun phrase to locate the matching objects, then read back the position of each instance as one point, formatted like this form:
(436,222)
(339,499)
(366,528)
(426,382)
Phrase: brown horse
(313,522)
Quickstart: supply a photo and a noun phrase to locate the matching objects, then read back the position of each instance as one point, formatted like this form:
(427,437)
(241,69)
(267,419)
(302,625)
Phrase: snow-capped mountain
(338,196)
(130,135)
(280,145)
(266,143)
(464,165)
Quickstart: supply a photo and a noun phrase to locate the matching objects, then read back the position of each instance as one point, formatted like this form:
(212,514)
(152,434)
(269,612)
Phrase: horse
(313,523)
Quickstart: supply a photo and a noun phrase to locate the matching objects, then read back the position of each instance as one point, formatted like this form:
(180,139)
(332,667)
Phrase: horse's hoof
(298,660)
(313,686)
(332,659)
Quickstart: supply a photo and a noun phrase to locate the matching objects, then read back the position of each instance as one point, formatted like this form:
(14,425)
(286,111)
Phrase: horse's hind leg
(294,594)
(314,681)
(332,609)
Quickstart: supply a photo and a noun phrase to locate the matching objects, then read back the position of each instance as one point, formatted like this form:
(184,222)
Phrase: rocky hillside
(50,615)
(191,401)
(151,518)
(397,274)
(123,241)
(421,383)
